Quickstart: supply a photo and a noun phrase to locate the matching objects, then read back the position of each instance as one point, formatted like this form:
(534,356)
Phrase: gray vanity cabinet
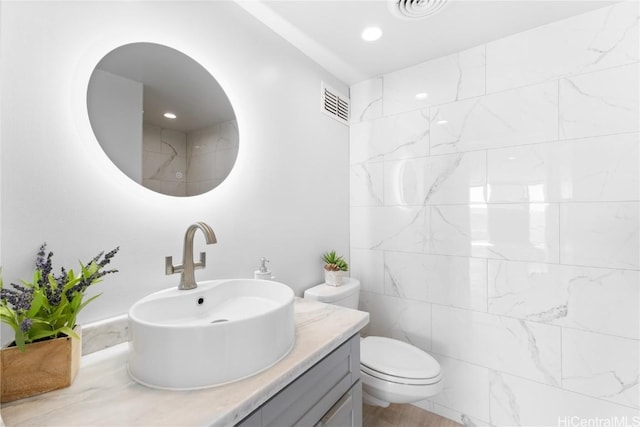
(328,394)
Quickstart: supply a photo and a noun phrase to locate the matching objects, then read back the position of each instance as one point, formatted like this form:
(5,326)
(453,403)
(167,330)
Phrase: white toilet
(392,371)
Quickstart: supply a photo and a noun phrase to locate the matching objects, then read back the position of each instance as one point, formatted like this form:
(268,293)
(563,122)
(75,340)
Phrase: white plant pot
(334,278)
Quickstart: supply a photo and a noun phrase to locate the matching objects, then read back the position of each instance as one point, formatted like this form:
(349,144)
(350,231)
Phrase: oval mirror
(162,119)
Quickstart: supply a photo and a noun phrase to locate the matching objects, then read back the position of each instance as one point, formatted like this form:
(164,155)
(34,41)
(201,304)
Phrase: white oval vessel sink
(222,331)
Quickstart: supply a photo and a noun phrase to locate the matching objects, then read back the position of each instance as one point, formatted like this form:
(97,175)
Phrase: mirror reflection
(162,119)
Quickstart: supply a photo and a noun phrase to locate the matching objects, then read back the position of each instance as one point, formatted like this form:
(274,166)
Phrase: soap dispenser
(263,273)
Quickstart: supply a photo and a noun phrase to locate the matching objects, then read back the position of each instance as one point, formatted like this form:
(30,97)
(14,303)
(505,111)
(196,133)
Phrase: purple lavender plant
(47,307)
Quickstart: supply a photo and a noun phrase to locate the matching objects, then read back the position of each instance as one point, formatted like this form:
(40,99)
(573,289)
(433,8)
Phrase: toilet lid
(326,293)
(397,359)
(364,370)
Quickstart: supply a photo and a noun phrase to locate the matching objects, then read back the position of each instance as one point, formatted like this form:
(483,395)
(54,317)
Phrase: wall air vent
(334,104)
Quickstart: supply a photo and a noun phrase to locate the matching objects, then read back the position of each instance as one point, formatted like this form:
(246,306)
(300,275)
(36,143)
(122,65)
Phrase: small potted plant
(46,352)
(335,268)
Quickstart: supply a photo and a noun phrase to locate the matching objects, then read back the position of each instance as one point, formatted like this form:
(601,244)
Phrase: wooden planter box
(44,366)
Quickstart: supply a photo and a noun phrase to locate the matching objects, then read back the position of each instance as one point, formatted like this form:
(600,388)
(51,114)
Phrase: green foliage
(334,262)
(47,306)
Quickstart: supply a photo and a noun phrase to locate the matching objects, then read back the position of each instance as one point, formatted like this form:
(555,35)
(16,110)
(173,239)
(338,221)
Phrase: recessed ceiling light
(421,96)
(442,122)
(371,34)
(170,115)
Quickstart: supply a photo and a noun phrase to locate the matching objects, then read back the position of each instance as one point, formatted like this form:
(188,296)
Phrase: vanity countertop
(103,394)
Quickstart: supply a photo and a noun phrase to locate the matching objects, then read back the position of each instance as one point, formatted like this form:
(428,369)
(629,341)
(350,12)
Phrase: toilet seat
(399,380)
(396,361)
(384,392)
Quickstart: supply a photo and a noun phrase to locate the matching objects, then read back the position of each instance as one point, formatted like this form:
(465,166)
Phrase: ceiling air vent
(415,9)
(334,104)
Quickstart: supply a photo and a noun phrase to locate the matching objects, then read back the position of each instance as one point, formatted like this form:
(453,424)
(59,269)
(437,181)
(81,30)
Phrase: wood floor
(402,416)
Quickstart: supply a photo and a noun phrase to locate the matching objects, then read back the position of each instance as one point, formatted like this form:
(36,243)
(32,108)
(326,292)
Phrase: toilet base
(370,400)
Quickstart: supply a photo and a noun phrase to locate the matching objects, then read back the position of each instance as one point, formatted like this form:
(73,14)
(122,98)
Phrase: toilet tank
(346,295)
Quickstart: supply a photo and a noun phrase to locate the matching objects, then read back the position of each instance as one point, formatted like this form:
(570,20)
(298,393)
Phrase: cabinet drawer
(347,411)
(332,375)
(340,414)
(313,394)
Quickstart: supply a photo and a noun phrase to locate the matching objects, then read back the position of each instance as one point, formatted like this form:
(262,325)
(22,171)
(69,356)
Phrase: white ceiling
(328,31)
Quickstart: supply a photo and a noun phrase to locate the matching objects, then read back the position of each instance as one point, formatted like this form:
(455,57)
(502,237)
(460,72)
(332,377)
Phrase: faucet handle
(169,268)
(203,262)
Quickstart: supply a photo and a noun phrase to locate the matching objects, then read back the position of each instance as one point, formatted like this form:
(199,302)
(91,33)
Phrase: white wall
(286,199)
(116,119)
(495,223)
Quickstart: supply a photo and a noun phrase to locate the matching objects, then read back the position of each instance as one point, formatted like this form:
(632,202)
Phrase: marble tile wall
(495,220)
(211,153)
(164,160)
(187,164)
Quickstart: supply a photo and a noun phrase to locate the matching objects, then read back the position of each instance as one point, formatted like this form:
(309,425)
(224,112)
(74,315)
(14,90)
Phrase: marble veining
(366,112)
(404,319)
(416,222)
(106,333)
(395,137)
(366,100)
(214,145)
(592,299)
(518,402)
(161,170)
(601,235)
(390,228)
(457,178)
(601,168)
(393,284)
(441,279)
(180,163)
(602,366)
(104,395)
(600,103)
(536,357)
(514,117)
(593,41)
(501,231)
(366,187)
(442,177)
(164,160)
(508,400)
(523,348)
(464,385)
(450,78)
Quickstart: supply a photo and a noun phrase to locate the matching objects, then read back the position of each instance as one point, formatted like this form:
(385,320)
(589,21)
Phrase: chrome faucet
(188,267)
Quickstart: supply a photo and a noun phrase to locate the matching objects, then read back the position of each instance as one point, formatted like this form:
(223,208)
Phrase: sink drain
(219,320)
